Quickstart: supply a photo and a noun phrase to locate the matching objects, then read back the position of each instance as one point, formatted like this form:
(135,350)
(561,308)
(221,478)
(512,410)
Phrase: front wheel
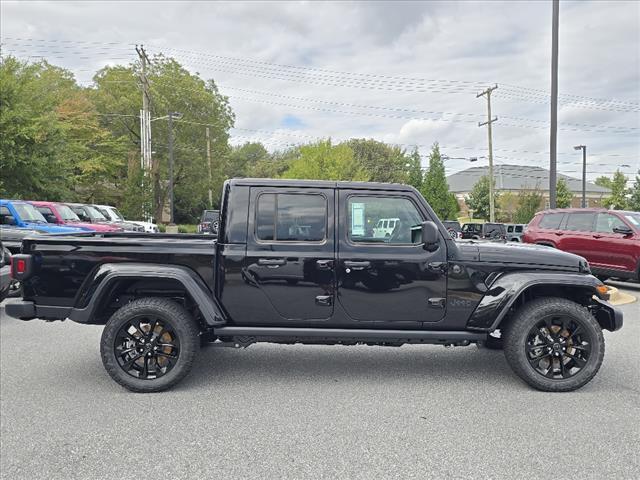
(554,345)
(149,344)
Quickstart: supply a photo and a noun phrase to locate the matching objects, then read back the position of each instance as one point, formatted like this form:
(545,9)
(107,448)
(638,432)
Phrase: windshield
(94,213)
(104,212)
(118,215)
(28,213)
(67,214)
(634,219)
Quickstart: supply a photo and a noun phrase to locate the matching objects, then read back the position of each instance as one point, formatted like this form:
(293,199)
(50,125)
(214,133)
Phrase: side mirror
(9,220)
(623,229)
(430,235)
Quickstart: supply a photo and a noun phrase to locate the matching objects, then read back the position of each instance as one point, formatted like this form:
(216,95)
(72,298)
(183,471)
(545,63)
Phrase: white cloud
(507,43)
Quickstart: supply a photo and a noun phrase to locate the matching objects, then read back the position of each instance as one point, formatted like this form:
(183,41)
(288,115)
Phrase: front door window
(383,220)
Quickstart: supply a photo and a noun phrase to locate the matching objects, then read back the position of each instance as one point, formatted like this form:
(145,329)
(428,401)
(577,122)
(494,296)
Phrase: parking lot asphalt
(274,411)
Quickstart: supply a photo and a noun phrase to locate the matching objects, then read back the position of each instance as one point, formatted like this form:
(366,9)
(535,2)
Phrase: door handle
(324,300)
(597,236)
(272,262)
(357,265)
(439,266)
(324,264)
(558,233)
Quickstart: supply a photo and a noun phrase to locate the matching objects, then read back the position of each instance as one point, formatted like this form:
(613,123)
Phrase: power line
(511,89)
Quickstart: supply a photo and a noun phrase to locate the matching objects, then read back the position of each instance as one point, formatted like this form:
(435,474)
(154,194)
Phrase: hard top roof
(274,182)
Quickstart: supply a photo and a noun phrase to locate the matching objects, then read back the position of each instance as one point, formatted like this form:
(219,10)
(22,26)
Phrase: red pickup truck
(608,239)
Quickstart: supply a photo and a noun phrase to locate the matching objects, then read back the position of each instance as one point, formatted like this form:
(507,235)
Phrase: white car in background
(384,227)
(114,215)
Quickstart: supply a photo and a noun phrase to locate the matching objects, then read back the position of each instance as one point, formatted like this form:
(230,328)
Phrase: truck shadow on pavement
(298,364)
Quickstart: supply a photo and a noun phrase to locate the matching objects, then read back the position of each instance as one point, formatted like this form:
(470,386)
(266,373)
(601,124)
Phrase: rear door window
(287,217)
(551,220)
(580,221)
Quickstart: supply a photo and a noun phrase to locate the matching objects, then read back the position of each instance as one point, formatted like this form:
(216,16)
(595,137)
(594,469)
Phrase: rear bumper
(26,310)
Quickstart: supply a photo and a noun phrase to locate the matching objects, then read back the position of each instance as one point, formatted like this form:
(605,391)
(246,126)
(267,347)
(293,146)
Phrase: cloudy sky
(405,73)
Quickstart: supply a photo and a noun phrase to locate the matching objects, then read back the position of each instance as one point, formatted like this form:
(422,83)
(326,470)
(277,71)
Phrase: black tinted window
(4,214)
(551,220)
(210,216)
(291,217)
(47,214)
(580,222)
(494,227)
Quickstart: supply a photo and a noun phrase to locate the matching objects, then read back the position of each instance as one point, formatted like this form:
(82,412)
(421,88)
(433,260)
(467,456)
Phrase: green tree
(507,206)
(478,200)
(435,188)
(324,161)
(634,195)
(618,198)
(381,162)
(603,181)
(275,164)
(529,203)
(32,143)
(117,97)
(414,169)
(243,159)
(564,196)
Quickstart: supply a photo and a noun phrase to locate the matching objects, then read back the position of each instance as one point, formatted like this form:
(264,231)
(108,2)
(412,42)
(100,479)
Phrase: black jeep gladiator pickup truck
(304,262)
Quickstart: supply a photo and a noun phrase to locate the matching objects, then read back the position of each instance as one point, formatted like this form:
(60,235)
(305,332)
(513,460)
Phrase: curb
(616,297)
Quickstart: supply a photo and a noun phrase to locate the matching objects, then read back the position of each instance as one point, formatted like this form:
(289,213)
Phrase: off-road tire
(524,320)
(169,311)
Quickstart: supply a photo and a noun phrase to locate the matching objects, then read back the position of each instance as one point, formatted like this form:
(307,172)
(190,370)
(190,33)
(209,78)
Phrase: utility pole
(145,132)
(487,92)
(584,173)
(553,135)
(209,163)
(171,209)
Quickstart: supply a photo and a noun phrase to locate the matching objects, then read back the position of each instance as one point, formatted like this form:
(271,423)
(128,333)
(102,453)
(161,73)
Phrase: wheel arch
(510,291)
(112,285)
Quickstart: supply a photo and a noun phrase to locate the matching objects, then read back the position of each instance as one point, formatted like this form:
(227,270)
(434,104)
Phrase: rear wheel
(149,344)
(554,345)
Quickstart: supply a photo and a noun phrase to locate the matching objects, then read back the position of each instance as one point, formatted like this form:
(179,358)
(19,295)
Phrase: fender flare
(98,286)
(507,288)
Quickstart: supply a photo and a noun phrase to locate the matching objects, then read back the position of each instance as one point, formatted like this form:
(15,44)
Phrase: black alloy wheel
(554,344)
(146,347)
(149,344)
(558,346)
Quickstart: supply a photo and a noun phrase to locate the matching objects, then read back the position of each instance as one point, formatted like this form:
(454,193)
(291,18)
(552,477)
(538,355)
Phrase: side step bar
(413,336)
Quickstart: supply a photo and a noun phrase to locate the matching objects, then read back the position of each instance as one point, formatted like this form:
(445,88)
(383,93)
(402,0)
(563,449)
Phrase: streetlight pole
(171,116)
(584,173)
(171,212)
(553,134)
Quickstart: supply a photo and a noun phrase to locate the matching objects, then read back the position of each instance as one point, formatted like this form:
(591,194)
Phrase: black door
(290,254)
(388,276)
